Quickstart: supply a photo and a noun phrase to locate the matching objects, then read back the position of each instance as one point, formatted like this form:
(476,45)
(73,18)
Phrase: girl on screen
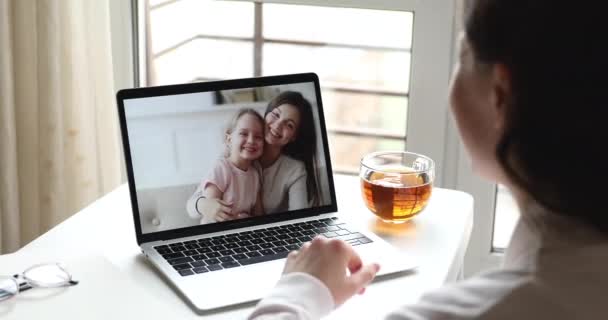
(234,179)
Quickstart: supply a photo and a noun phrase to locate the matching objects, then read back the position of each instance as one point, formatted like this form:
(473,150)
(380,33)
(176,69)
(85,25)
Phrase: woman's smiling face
(282,124)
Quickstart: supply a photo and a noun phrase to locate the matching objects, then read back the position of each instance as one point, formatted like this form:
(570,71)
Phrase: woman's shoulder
(482,295)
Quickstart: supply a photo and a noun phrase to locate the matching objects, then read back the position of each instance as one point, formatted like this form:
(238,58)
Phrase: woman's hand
(328,260)
(214,210)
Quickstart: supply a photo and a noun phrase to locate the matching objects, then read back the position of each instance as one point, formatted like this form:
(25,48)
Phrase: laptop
(196,143)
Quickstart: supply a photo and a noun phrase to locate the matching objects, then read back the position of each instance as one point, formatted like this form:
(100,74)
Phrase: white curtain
(59,143)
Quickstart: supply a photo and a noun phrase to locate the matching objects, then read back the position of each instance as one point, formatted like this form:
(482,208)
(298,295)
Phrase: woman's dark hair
(556,130)
(304,147)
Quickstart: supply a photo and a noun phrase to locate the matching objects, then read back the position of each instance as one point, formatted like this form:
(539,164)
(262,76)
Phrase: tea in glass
(396,186)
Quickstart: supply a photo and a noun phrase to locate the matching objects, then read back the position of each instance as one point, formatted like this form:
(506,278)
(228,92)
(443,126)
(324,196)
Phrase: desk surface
(438,238)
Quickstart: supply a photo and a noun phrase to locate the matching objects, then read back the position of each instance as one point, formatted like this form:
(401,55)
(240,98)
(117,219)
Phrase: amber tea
(396,194)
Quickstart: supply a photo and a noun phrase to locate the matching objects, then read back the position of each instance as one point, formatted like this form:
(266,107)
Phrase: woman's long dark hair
(557,55)
(304,147)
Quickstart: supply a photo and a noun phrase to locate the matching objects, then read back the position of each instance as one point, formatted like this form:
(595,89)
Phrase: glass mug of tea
(396,185)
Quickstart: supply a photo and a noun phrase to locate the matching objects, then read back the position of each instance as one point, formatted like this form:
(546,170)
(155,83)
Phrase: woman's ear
(501,94)
(227,138)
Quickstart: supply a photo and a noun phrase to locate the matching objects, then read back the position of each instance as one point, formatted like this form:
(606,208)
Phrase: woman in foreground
(528,95)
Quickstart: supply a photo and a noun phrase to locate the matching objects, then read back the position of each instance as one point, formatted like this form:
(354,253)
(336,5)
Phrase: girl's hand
(214,210)
(328,260)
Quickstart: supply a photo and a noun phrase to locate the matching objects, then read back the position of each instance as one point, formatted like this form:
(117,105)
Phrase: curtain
(59,143)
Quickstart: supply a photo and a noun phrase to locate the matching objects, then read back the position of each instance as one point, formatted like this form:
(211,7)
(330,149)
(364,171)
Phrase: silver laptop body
(172,135)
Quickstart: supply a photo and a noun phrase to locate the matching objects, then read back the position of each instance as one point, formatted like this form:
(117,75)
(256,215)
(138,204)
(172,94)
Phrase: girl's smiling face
(282,124)
(246,141)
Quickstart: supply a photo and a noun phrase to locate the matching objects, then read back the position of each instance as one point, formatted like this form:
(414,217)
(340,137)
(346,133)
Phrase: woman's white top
(284,186)
(554,274)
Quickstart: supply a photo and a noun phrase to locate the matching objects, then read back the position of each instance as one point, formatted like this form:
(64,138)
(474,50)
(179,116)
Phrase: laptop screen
(218,156)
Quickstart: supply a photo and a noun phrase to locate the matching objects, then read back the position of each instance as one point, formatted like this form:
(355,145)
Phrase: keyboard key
(305,238)
(270,233)
(218,242)
(240,250)
(204,250)
(350,236)
(164,251)
(200,270)
(226,259)
(257,241)
(320,230)
(292,247)
(213,254)
(192,246)
(254,248)
(279,249)
(364,240)
(266,252)
(342,232)
(265,258)
(178,248)
(232,239)
(204,242)
(330,234)
(279,243)
(266,245)
(245,237)
(175,244)
(198,264)
(244,243)
(239,256)
(181,266)
(307,232)
(164,246)
(230,264)
(283,236)
(332,228)
(296,234)
(190,242)
(212,261)
(199,257)
(214,267)
(253,254)
(179,261)
(245,232)
(231,245)
(190,252)
(227,252)
(186,272)
(218,248)
(173,255)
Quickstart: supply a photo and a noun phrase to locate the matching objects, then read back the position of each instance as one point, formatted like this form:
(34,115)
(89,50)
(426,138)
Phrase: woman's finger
(221,216)
(365,275)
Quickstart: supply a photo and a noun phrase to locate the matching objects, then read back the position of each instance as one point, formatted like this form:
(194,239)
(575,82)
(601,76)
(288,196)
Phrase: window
(362,54)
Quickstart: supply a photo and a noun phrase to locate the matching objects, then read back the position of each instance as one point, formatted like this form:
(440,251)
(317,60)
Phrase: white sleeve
(191,203)
(297,296)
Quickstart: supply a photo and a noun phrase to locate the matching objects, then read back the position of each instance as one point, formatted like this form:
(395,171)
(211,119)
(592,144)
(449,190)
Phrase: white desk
(438,237)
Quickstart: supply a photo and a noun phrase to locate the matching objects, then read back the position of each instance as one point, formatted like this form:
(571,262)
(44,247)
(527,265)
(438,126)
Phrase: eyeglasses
(48,275)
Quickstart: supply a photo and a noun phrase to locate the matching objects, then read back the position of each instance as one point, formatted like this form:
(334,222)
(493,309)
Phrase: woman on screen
(287,165)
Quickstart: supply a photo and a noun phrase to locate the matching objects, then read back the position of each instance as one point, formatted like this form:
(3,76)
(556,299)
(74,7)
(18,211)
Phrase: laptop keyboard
(249,247)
